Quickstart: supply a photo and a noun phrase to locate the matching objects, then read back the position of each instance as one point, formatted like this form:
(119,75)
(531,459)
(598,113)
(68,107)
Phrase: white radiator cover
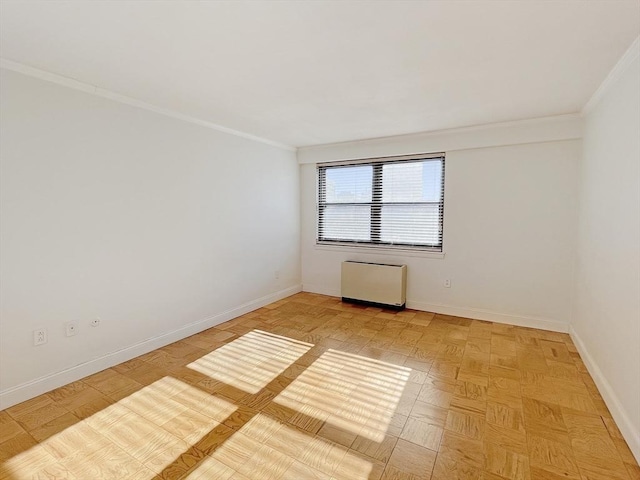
(375,283)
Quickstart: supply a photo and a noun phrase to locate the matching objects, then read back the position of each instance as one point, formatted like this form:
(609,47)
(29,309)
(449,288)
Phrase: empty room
(320,240)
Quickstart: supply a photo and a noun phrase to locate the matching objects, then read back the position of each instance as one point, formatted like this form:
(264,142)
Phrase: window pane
(410,224)
(346,222)
(349,184)
(412,182)
(385,202)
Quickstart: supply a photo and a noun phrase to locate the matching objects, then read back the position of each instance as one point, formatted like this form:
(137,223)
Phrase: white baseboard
(467,312)
(25,391)
(489,316)
(630,433)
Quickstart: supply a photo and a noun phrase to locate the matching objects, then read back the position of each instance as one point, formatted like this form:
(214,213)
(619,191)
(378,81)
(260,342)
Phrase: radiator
(374,284)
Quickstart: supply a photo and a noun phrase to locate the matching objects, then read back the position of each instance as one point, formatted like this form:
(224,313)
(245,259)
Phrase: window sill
(398,252)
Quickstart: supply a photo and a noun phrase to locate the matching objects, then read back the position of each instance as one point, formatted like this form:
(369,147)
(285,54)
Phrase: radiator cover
(375,284)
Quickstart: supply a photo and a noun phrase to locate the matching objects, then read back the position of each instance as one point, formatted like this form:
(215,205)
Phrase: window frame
(376,204)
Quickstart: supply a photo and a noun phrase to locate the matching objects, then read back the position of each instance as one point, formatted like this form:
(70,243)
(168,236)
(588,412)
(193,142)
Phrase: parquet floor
(310,388)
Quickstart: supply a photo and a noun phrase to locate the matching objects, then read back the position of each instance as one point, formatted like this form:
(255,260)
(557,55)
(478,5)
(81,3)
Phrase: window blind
(395,202)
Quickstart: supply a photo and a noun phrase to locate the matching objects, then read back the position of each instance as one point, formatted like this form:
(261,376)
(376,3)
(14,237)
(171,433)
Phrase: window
(394,202)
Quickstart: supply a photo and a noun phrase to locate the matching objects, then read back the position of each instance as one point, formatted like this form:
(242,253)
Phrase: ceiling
(313,72)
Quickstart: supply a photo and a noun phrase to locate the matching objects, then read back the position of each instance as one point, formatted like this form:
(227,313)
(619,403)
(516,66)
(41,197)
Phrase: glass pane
(346,222)
(412,181)
(410,224)
(349,184)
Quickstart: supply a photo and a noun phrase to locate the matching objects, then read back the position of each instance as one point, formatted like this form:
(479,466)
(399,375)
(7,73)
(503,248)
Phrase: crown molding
(517,132)
(101,92)
(629,56)
(457,130)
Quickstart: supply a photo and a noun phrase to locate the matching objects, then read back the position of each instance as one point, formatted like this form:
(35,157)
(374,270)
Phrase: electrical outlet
(95,322)
(276,274)
(40,336)
(71,328)
(447,283)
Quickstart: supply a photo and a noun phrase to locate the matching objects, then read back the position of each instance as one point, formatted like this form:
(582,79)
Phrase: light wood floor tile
(503,345)
(429,413)
(33,418)
(506,463)
(67,391)
(310,388)
(210,468)
(513,440)
(71,440)
(478,345)
(9,428)
(337,435)
(471,426)
(552,456)
(564,371)
(14,452)
(538,473)
(111,382)
(462,449)
(216,437)
(29,405)
(412,459)
(556,351)
(468,405)
(94,406)
(380,451)
(633,470)
(601,468)
(397,423)
(433,396)
(505,372)
(55,426)
(422,433)
(107,462)
(323,455)
(545,420)
(189,426)
(266,463)
(441,383)
(504,416)
(450,467)
(298,470)
(504,361)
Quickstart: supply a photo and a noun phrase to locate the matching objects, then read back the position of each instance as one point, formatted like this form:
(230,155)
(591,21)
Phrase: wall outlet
(276,274)
(71,328)
(40,336)
(447,283)
(95,322)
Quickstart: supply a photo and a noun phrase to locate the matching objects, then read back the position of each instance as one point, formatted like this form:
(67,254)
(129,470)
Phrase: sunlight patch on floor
(352,392)
(265,449)
(250,362)
(145,431)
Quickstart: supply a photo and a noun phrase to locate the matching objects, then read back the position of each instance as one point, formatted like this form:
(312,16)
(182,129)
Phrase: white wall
(606,318)
(145,221)
(509,233)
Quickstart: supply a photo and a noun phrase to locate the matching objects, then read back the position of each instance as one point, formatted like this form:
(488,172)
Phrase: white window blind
(395,202)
